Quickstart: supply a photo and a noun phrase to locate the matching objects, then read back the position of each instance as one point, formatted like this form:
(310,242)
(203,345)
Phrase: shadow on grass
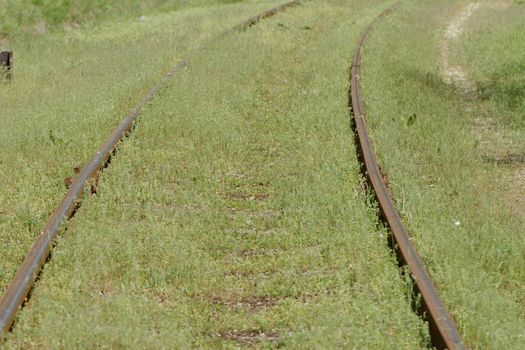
(429,82)
(506,87)
(515,158)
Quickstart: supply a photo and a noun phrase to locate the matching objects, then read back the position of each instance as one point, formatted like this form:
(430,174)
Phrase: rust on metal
(443,331)
(33,263)
(6,63)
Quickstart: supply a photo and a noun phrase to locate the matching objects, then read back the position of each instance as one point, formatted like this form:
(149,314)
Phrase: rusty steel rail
(21,285)
(443,331)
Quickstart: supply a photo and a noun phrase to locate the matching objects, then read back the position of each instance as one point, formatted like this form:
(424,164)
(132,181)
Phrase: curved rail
(33,263)
(443,329)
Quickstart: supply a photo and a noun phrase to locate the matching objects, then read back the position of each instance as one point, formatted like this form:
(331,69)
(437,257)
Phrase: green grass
(69,90)
(37,16)
(426,132)
(233,216)
(494,61)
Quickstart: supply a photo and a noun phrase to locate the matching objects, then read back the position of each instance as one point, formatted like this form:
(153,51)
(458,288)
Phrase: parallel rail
(18,290)
(443,331)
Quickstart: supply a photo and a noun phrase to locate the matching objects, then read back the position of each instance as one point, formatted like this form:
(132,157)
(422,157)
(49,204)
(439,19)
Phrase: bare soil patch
(251,304)
(248,336)
(454,74)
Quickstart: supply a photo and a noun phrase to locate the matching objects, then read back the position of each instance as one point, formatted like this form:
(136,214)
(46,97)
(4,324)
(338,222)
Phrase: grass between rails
(233,216)
(68,92)
(467,233)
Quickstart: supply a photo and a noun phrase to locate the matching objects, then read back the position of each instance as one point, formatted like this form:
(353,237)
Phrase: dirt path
(453,73)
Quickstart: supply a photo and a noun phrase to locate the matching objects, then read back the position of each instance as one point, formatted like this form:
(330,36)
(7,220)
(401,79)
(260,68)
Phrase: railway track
(443,330)
(19,290)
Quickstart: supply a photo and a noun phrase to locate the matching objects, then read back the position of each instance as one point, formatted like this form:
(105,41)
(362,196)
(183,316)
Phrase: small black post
(6,63)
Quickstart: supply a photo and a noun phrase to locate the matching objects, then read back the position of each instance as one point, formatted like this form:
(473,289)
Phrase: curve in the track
(18,290)
(443,331)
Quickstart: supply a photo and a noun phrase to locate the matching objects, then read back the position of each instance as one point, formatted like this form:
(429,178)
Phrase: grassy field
(69,90)
(494,60)
(30,17)
(234,216)
(452,195)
